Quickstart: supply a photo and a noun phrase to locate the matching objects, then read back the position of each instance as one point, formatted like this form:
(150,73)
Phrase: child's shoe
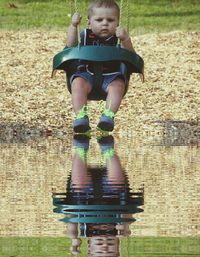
(106,122)
(106,142)
(81,143)
(81,123)
(107,146)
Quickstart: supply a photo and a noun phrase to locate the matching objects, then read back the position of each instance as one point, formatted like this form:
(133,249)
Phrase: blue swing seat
(68,60)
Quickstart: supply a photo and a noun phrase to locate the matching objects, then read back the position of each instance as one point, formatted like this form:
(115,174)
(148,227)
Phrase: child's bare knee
(117,85)
(80,84)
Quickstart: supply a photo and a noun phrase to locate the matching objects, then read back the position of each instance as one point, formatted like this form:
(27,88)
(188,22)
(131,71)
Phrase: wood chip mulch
(30,97)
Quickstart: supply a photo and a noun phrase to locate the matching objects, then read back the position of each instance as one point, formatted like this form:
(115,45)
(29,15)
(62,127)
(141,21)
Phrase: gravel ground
(32,99)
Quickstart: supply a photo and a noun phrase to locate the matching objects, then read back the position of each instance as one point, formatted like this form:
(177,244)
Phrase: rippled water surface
(110,196)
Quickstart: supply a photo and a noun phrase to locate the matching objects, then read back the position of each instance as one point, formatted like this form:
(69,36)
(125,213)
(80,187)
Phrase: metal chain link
(72,10)
(76,5)
(121,12)
(122,4)
(128,16)
(70,7)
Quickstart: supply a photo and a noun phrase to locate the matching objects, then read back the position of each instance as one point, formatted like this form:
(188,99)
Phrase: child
(103,29)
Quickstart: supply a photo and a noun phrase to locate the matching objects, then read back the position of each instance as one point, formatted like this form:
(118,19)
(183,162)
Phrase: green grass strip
(133,246)
(145,16)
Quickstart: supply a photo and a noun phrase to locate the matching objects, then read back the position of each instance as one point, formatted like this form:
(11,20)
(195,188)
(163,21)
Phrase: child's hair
(103,3)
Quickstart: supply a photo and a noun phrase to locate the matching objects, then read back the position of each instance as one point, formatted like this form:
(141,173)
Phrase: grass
(145,16)
(136,246)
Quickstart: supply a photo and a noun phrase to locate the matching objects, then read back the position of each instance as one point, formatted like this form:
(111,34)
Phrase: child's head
(103,246)
(103,17)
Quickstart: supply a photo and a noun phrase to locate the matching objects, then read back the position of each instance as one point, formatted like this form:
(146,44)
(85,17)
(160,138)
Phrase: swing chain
(71,7)
(121,11)
(76,5)
(127,14)
(72,11)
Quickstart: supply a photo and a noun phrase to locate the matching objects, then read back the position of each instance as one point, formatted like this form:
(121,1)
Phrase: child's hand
(76,19)
(122,34)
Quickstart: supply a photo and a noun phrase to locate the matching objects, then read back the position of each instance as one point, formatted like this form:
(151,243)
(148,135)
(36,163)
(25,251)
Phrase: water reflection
(169,226)
(98,203)
(180,133)
(19,133)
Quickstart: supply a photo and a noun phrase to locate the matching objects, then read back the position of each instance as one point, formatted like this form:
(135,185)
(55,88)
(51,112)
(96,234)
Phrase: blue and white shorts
(107,78)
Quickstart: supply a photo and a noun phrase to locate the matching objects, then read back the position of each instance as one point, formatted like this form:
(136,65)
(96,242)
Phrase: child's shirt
(87,37)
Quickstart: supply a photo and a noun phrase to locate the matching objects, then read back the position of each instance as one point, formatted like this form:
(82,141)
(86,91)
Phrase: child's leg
(115,93)
(79,176)
(80,89)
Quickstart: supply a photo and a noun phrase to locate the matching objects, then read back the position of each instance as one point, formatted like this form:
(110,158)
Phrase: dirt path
(30,97)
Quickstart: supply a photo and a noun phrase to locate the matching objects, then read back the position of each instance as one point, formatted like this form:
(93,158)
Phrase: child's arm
(125,39)
(72,35)
(126,43)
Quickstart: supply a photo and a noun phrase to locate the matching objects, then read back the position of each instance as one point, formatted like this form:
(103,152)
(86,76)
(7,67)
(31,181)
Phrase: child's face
(103,21)
(103,246)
